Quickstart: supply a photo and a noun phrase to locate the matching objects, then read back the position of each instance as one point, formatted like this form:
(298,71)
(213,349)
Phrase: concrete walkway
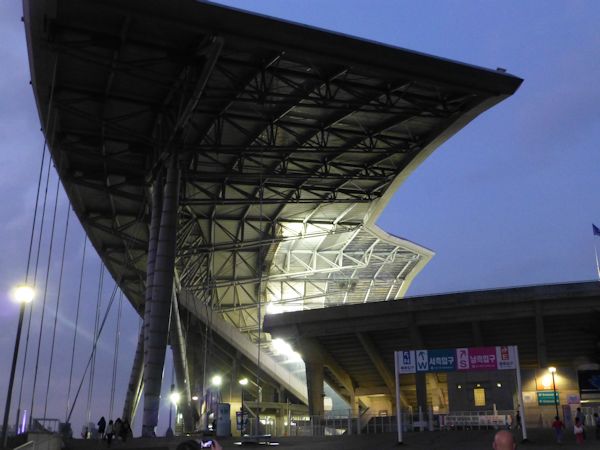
(440,440)
(443,440)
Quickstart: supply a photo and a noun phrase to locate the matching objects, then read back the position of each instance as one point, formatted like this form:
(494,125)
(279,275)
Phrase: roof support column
(314,384)
(135,381)
(137,371)
(354,404)
(158,307)
(421,385)
(181,369)
(315,377)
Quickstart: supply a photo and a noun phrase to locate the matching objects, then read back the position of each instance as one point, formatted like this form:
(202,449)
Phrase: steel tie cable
(116,357)
(75,329)
(37,359)
(60,280)
(96,336)
(93,352)
(32,235)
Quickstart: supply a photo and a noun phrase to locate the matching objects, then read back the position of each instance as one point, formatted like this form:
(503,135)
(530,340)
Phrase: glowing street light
(245,381)
(552,370)
(175,397)
(22,294)
(217,380)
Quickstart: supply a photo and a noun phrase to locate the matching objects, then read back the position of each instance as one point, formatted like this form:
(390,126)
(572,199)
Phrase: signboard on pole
(241,420)
(547,398)
(406,361)
(503,357)
(441,360)
(482,358)
(460,359)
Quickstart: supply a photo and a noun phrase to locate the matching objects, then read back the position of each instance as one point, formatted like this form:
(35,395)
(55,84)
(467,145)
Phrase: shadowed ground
(443,440)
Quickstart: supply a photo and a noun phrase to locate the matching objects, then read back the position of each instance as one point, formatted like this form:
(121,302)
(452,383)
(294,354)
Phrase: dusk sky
(508,201)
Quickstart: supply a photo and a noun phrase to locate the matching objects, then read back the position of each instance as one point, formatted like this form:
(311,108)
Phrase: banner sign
(406,361)
(481,358)
(547,398)
(436,360)
(461,359)
(459,420)
(241,420)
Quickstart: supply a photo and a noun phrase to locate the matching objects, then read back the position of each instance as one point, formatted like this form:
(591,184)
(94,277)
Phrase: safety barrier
(42,441)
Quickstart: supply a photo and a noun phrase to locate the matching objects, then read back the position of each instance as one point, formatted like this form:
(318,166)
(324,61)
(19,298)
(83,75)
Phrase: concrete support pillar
(159,307)
(134,389)
(354,404)
(181,369)
(314,383)
(421,385)
(135,381)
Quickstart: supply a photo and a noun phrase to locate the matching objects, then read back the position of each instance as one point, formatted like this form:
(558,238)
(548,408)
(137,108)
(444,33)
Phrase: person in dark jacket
(101,427)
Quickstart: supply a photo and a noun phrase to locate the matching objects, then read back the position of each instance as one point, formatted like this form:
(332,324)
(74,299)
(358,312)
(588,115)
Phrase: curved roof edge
(424,253)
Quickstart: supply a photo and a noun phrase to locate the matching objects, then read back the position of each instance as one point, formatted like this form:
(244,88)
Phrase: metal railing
(39,441)
(335,423)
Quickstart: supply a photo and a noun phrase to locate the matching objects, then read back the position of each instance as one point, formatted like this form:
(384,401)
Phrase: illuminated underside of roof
(291,141)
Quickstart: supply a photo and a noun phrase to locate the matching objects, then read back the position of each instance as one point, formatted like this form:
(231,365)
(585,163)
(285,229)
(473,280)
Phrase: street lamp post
(552,370)
(244,382)
(212,403)
(23,295)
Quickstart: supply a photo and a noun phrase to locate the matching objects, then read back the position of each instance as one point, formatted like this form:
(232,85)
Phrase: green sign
(547,398)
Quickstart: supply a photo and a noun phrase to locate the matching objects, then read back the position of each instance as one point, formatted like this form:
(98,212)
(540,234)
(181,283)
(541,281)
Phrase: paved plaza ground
(440,440)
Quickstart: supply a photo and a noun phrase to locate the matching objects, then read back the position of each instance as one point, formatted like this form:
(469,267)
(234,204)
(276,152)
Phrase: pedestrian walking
(579,415)
(117,428)
(558,427)
(101,427)
(578,431)
(125,430)
(109,433)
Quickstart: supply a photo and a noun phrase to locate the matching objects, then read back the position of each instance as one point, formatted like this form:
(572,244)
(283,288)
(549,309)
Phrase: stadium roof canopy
(290,139)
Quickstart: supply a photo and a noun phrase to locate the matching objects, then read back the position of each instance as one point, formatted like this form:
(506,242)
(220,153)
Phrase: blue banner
(443,360)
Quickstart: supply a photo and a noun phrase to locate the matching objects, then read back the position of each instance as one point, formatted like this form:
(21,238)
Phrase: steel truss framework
(290,141)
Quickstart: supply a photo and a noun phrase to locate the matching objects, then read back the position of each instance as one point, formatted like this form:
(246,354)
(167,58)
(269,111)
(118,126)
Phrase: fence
(339,423)
(336,423)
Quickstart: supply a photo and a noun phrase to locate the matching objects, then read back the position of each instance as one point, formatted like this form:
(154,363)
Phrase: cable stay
(35,273)
(60,280)
(93,352)
(27,273)
(116,357)
(76,329)
(96,334)
(32,234)
(45,298)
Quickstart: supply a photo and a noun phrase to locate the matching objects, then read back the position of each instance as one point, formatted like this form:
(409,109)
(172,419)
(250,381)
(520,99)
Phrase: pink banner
(477,358)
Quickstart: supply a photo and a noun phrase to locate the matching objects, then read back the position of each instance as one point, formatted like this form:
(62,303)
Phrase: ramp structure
(234,164)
